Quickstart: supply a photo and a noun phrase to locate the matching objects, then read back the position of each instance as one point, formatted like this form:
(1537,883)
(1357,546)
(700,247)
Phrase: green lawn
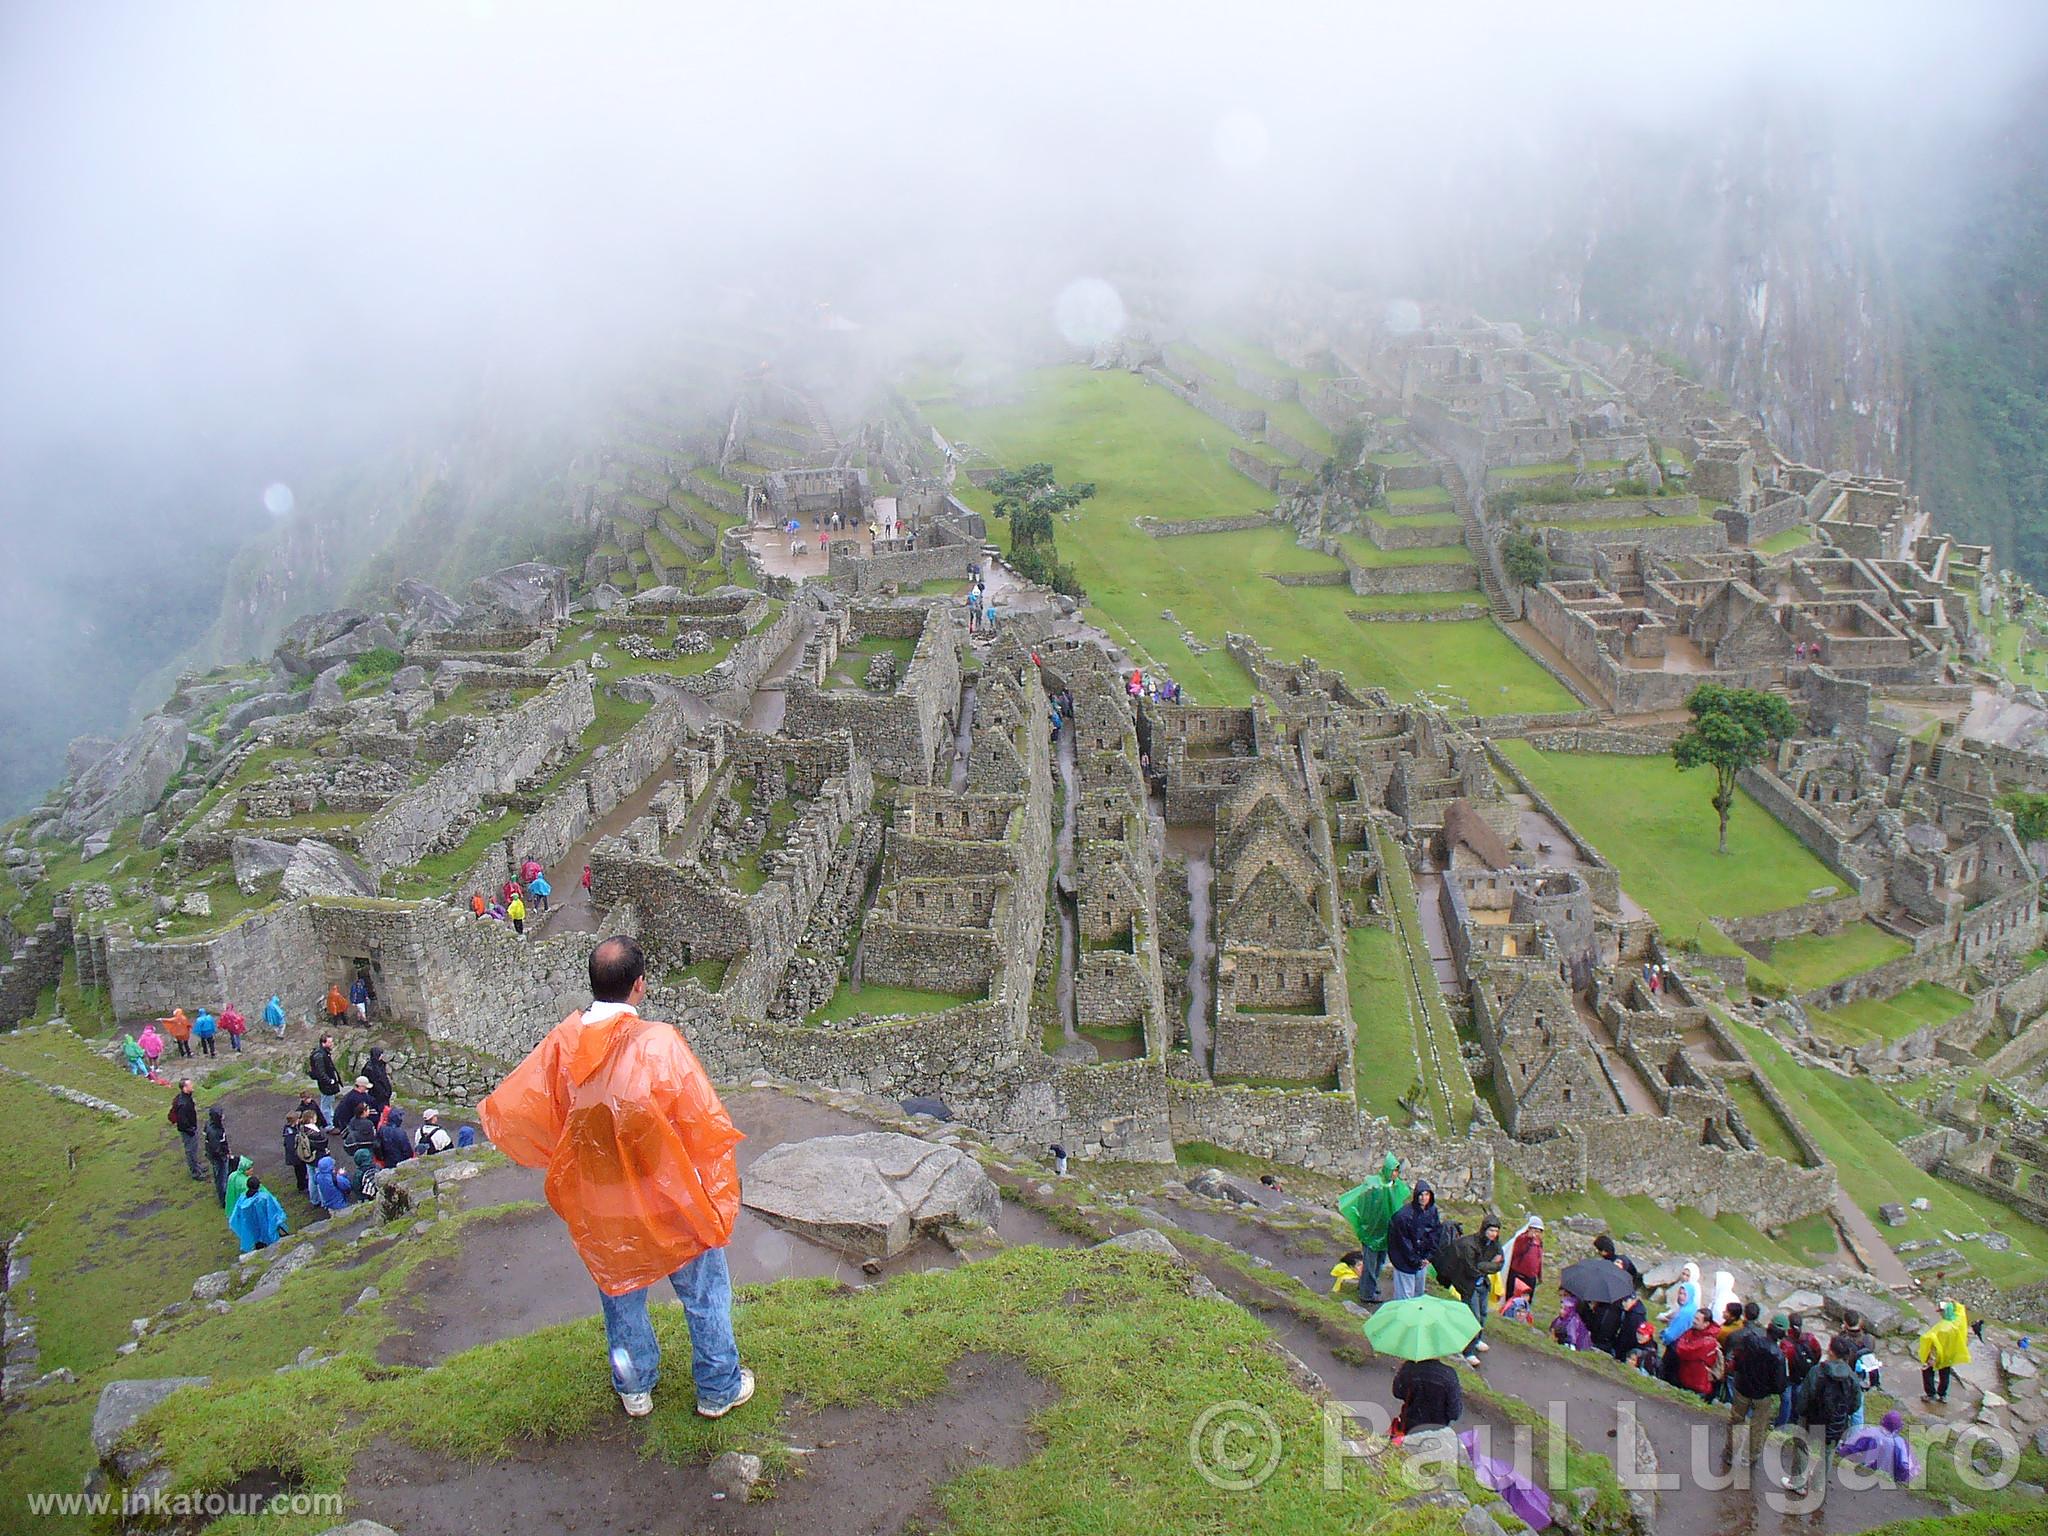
(1364,552)
(1764,1123)
(1813,960)
(1420,496)
(1684,1230)
(1892,1018)
(1413,519)
(1435,1043)
(883,1002)
(1150,454)
(1779,543)
(1859,1126)
(1656,825)
(1376,966)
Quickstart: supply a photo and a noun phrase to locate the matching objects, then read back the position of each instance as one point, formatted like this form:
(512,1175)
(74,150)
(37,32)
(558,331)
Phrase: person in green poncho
(238,1181)
(1370,1210)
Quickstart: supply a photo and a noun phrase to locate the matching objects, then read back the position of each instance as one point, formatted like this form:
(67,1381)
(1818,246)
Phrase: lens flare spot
(1088,312)
(1404,317)
(277,498)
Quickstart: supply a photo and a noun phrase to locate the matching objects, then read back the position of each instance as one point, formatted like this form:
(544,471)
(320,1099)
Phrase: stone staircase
(821,424)
(1475,540)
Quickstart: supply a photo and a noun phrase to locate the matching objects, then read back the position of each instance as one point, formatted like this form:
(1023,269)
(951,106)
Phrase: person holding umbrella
(1421,1331)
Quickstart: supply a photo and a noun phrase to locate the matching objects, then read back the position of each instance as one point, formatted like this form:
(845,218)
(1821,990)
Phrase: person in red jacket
(1699,1355)
(1525,1256)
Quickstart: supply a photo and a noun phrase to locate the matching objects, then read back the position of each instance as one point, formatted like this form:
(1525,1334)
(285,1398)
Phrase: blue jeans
(1406,1284)
(138,1069)
(1481,1295)
(234,1042)
(704,1286)
(1369,1275)
(327,1107)
(1784,1408)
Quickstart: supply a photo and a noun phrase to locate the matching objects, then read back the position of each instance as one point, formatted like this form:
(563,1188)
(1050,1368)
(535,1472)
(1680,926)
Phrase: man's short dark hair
(1751,1311)
(1840,1347)
(1604,1246)
(614,966)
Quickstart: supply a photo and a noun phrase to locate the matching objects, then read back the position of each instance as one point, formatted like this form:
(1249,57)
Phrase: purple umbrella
(1530,1503)
(1882,1448)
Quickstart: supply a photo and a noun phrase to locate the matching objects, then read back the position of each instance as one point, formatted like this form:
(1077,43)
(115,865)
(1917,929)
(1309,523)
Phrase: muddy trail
(859,1471)
(1690,1444)
(518,1272)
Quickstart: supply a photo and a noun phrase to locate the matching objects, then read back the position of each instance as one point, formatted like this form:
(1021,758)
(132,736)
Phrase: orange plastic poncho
(637,1147)
(177,1026)
(337,1005)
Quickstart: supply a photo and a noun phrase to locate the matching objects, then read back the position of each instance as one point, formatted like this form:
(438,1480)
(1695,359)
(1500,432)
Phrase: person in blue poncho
(204,1028)
(258,1220)
(333,1190)
(273,1014)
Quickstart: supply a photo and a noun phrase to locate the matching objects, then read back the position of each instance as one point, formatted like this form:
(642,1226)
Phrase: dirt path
(1868,1243)
(864,1473)
(521,1273)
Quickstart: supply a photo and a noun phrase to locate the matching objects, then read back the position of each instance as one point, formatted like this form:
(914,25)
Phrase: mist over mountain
(400,260)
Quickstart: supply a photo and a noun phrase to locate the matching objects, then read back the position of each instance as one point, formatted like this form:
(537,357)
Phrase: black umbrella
(1597,1280)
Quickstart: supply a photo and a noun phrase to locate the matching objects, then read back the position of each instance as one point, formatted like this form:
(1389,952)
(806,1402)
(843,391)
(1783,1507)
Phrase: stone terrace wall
(274,950)
(1241,421)
(1400,579)
(900,732)
(506,749)
(1173,528)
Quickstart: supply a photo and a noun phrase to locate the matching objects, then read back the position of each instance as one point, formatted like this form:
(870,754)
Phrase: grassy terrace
(1779,543)
(1364,552)
(1412,519)
(1858,1126)
(1684,1230)
(1656,825)
(883,1002)
(1150,454)
(1289,416)
(1816,960)
(1765,1124)
(1874,1020)
(1611,524)
(1383,1055)
(1435,1041)
(1420,496)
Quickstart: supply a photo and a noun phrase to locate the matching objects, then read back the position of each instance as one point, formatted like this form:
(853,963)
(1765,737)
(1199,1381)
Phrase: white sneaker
(1481,1346)
(1473,1361)
(637,1404)
(744,1394)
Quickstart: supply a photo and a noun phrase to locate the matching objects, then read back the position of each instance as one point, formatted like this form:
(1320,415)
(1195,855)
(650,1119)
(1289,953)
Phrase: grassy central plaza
(1151,455)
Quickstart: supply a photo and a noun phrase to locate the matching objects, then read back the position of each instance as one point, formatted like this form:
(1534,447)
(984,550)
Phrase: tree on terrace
(1732,729)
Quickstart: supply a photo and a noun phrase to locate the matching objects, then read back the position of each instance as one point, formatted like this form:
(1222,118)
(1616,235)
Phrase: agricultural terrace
(1151,455)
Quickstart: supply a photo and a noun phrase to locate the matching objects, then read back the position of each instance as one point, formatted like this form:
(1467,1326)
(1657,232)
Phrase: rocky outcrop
(871,1194)
(129,779)
(426,610)
(321,869)
(259,861)
(530,594)
(264,706)
(303,638)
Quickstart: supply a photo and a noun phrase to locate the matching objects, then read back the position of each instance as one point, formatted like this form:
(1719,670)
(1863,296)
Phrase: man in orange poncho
(179,1028)
(640,1167)
(337,1005)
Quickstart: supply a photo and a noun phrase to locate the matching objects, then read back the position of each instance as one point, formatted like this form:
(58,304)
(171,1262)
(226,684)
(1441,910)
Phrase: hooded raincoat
(1416,1231)
(1947,1343)
(258,1220)
(1370,1207)
(637,1147)
(152,1043)
(238,1181)
(131,1052)
(332,1189)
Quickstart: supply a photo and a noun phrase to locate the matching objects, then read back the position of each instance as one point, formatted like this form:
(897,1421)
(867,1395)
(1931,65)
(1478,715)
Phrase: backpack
(1805,1356)
(1830,1399)
(302,1147)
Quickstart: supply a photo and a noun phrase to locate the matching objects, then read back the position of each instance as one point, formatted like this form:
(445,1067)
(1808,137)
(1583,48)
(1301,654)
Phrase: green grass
(438,872)
(1683,1230)
(1893,1018)
(1816,960)
(1133,1359)
(1413,519)
(372,668)
(1366,553)
(1420,496)
(1614,524)
(1656,825)
(710,974)
(1450,1089)
(1764,1123)
(1858,1126)
(1151,455)
(1383,1056)
(1788,539)
(883,1002)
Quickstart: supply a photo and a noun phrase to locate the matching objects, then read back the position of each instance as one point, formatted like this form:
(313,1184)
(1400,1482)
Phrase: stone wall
(1173,528)
(1308,458)
(1815,833)
(901,732)
(1386,580)
(1666,1159)
(1406,533)
(505,749)
(36,965)
(1574,544)
(1266,1045)
(941,555)
(273,950)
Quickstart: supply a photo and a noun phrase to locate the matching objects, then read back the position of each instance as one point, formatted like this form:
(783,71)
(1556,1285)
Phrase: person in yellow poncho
(1942,1348)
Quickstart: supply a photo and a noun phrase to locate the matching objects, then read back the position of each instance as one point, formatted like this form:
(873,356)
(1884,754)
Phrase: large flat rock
(123,1402)
(871,1194)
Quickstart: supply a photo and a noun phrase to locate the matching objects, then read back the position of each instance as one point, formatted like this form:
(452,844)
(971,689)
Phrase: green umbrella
(1421,1328)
